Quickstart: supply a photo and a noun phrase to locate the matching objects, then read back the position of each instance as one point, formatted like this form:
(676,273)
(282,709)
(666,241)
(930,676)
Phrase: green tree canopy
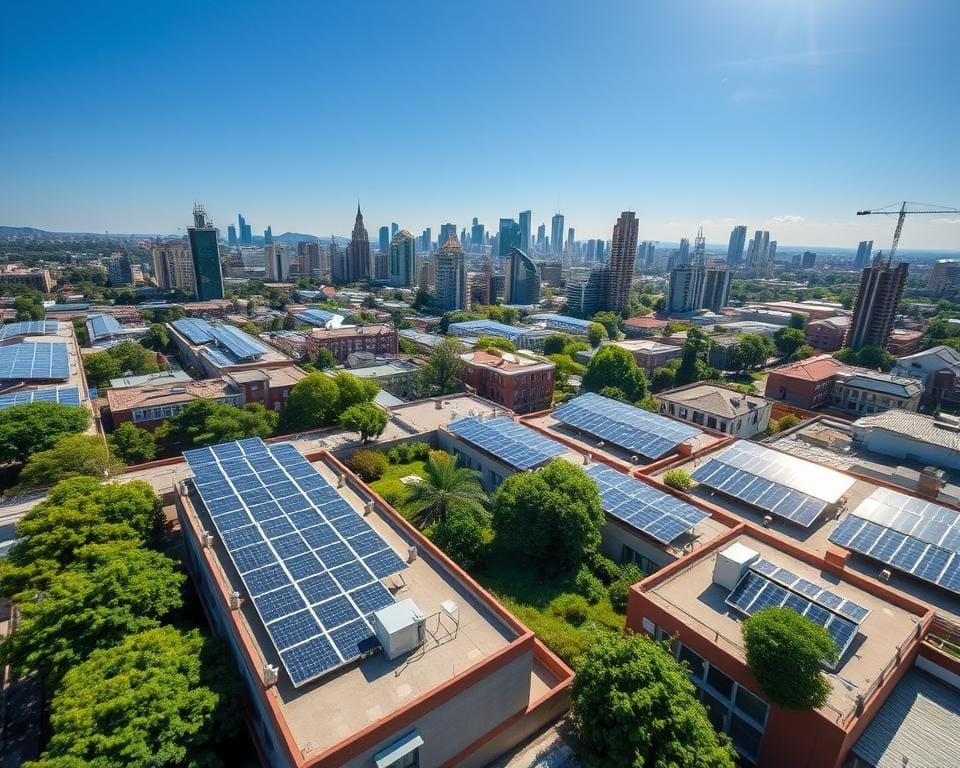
(612,366)
(784,653)
(798,320)
(461,537)
(555,342)
(496,342)
(157,337)
(693,363)
(753,350)
(635,707)
(325,359)
(313,402)
(445,487)
(353,390)
(72,456)
(367,419)
(441,375)
(133,445)
(142,702)
(596,333)
(789,340)
(551,517)
(611,321)
(26,429)
(120,359)
(208,422)
(663,378)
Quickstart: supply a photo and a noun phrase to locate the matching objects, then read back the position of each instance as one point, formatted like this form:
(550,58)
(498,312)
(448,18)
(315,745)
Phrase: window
(645,564)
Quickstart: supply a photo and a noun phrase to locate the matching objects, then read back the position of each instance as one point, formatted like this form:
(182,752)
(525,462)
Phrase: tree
(446,487)
(634,705)
(112,590)
(784,653)
(596,333)
(157,337)
(611,322)
(875,358)
(753,351)
(126,357)
(798,320)
(251,308)
(366,419)
(554,343)
(208,422)
(441,375)
(72,456)
(649,403)
(27,429)
(369,465)
(496,342)
(132,445)
(615,367)
(693,363)
(353,390)
(143,702)
(324,359)
(28,308)
(552,517)
(312,402)
(802,352)
(100,367)
(789,340)
(663,378)
(461,537)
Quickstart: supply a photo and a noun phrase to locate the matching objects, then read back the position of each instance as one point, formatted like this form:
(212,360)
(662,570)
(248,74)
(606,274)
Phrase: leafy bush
(678,478)
(588,586)
(369,465)
(787,422)
(460,536)
(407,452)
(619,590)
(604,568)
(572,608)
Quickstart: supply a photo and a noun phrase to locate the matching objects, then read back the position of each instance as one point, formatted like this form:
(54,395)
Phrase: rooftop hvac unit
(400,628)
(885,575)
(732,563)
(767,521)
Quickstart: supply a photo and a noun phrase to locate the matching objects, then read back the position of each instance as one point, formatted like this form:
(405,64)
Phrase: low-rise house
(911,436)
(939,370)
(827,335)
(379,339)
(725,410)
(523,383)
(149,406)
(650,354)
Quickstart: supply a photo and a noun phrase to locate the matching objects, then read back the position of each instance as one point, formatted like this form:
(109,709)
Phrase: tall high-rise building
(173,266)
(683,254)
(394,228)
(685,293)
(808,260)
(863,254)
(571,233)
(584,287)
(758,257)
(646,252)
(120,271)
(205,252)
(451,277)
(311,260)
(426,241)
(619,271)
(738,237)
(541,238)
(699,247)
(403,260)
(878,296)
(268,235)
(771,254)
(521,278)
(445,231)
(276,260)
(246,238)
(231,235)
(556,233)
(355,264)
(716,287)
(600,254)
(476,234)
(944,278)
(384,240)
(509,238)
(525,230)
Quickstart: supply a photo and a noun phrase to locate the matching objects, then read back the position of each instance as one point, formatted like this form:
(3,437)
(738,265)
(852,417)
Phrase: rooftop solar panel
(241,344)
(658,514)
(197,331)
(319,317)
(517,445)
(913,535)
(485,328)
(633,429)
(103,326)
(219,357)
(34,361)
(313,574)
(814,592)
(29,328)
(63,395)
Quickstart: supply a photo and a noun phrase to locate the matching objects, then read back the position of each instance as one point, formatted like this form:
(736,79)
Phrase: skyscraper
(451,277)
(338,262)
(356,265)
(231,235)
(394,228)
(699,247)
(521,278)
(738,236)
(311,264)
(246,238)
(476,234)
(276,263)
(119,270)
(863,254)
(683,254)
(541,238)
(445,231)
(173,266)
(716,287)
(509,238)
(944,278)
(618,274)
(570,237)
(384,239)
(583,289)
(205,252)
(759,251)
(556,233)
(698,286)
(646,253)
(771,254)
(268,235)
(878,296)
(403,260)
(426,241)
(525,230)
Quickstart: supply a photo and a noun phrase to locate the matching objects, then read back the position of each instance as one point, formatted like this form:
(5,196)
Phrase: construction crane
(891,210)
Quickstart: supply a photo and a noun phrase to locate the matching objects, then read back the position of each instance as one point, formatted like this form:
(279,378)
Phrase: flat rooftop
(348,699)
(691,596)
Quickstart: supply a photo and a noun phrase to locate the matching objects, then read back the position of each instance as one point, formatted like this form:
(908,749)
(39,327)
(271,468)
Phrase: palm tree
(445,487)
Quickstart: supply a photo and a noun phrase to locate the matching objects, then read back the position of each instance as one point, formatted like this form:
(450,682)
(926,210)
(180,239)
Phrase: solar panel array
(788,487)
(103,326)
(309,562)
(217,356)
(633,429)
(912,535)
(655,513)
(318,317)
(197,331)
(34,361)
(814,592)
(62,395)
(29,328)
(517,445)
(241,345)
(485,328)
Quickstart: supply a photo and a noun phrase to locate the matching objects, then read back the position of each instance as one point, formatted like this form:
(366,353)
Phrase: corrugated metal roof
(920,720)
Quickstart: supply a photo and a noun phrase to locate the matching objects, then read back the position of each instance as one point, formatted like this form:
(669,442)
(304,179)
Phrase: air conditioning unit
(884,575)
(400,628)
(767,521)
(732,563)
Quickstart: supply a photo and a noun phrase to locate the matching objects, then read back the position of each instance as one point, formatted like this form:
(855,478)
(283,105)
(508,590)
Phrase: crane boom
(901,217)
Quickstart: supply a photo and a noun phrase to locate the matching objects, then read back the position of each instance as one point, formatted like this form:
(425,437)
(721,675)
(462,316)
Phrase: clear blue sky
(780,114)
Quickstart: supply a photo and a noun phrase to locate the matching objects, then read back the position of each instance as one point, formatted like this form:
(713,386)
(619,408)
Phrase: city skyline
(787,117)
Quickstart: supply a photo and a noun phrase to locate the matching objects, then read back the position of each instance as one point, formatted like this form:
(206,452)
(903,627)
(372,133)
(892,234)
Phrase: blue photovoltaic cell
(217,356)
(29,328)
(915,536)
(653,512)
(36,361)
(633,429)
(241,344)
(103,326)
(196,331)
(317,317)
(813,592)
(515,444)
(310,563)
(754,592)
(62,395)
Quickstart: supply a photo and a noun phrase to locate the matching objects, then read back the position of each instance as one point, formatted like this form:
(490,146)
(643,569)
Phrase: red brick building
(381,340)
(637,327)
(521,383)
(903,342)
(827,335)
(805,384)
(268,386)
(149,406)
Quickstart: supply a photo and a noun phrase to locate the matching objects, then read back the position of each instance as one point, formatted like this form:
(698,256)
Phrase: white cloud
(787,220)
(944,221)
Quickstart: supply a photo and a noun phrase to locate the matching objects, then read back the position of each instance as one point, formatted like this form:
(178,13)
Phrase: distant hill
(296,237)
(34,232)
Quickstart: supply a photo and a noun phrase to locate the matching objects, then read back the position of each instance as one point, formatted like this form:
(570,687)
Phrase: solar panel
(34,361)
(485,328)
(29,328)
(217,356)
(309,562)
(755,591)
(240,344)
(633,429)
(103,326)
(517,445)
(318,317)
(653,512)
(913,535)
(814,592)
(63,395)
(197,331)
